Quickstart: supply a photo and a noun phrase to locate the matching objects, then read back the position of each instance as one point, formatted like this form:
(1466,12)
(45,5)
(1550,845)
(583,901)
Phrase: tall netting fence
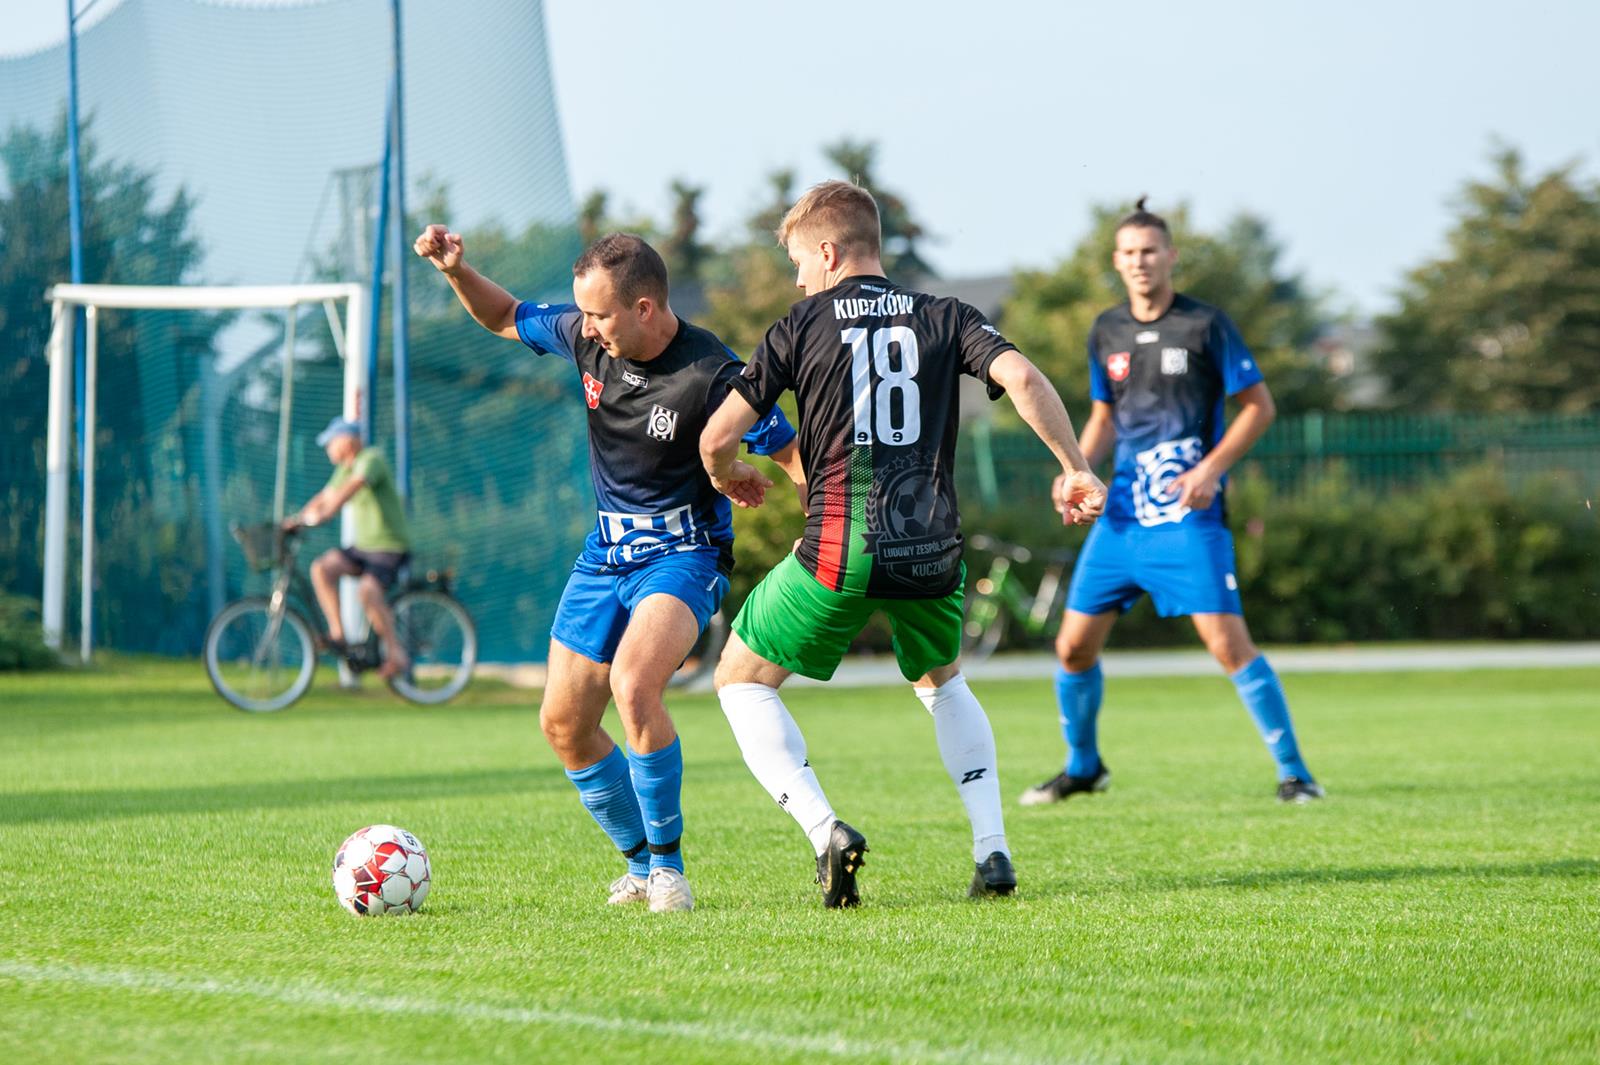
(238,143)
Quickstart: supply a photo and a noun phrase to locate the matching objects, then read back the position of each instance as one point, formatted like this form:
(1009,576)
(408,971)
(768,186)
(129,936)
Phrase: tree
(1050,312)
(129,237)
(592,214)
(682,248)
(1509,317)
(901,231)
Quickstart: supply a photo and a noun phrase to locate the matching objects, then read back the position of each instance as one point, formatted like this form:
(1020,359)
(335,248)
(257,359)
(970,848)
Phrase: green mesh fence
(1378,453)
(240,144)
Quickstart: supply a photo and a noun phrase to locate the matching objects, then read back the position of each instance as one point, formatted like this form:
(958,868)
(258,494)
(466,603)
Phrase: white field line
(312,996)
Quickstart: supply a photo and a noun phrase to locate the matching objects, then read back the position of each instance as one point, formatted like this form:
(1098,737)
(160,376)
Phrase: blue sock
(607,794)
(658,781)
(1263,697)
(1079,695)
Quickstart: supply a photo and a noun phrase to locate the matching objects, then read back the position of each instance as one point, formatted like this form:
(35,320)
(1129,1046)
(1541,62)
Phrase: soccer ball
(381,869)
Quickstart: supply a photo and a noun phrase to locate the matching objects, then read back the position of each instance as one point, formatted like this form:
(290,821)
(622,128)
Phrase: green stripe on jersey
(858,564)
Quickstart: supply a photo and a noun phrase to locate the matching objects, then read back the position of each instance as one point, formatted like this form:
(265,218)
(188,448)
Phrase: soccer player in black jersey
(1159,367)
(655,567)
(874,368)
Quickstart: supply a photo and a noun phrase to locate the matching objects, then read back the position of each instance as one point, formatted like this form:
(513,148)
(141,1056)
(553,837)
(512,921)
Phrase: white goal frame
(351,340)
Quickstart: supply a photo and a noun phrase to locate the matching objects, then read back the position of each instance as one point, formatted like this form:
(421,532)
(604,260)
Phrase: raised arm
(490,305)
(1079,495)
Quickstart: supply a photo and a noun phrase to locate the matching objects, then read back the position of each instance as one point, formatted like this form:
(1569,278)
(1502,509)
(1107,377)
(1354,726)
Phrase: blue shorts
(595,607)
(1187,569)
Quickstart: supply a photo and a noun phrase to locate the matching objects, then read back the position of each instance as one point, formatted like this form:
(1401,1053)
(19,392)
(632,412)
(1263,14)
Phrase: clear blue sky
(1348,127)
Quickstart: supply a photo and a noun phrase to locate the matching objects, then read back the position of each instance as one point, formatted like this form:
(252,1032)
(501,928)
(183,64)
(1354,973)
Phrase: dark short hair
(1144,219)
(635,267)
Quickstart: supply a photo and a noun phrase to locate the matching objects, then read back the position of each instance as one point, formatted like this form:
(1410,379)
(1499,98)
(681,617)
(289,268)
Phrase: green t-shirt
(380,520)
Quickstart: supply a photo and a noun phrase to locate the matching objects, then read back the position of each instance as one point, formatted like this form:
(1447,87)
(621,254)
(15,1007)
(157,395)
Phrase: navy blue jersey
(1166,381)
(645,418)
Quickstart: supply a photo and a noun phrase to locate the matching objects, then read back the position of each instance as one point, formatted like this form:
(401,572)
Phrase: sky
(1350,128)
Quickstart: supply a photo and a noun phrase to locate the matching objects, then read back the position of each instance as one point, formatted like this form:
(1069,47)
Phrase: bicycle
(998,597)
(261,651)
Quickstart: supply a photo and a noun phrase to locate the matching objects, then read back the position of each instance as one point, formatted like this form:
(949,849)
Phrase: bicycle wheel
(257,661)
(442,641)
(702,660)
(984,628)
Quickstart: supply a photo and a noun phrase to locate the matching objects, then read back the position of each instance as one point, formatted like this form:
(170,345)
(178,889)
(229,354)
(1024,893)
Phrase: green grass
(164,890)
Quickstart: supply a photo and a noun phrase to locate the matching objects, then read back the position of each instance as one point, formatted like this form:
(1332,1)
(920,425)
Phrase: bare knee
(371,591)
(562,729)
(327,566)
(1075,653)
(1231,647)
(634,695)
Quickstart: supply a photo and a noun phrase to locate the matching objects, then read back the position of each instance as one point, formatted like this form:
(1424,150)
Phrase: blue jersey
(645,418)
(1166,381)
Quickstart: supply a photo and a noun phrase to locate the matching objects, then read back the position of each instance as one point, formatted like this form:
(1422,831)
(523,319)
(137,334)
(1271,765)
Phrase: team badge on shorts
(1118,365)
(663,423)
(591,390)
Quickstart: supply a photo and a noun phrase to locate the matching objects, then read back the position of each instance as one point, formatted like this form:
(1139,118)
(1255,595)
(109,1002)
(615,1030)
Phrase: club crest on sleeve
(663,423)
(591,390)
(1118,364)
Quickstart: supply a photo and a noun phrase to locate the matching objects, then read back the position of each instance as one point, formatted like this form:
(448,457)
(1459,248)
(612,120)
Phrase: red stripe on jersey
(832,539)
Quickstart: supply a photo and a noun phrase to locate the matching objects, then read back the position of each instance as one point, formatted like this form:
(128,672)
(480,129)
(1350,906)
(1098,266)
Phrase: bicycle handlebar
(1015,552)
(1061,556)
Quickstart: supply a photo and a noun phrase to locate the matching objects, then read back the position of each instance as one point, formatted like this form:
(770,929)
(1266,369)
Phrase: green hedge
(21,638)
(1467,557)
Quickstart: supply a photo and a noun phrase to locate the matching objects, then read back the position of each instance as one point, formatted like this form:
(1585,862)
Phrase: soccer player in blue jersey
(1160,366)
(656,566)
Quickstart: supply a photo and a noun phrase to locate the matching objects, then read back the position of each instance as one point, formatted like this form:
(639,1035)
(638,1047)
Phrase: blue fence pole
(369,413)
(75,216)
(402,309)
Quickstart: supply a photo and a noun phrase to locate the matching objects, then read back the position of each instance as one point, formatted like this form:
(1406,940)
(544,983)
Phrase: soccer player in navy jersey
(874,368)
(1160,366)
(656,566)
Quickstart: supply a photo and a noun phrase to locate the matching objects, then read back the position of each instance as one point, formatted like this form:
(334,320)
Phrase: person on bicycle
(361,480)
(655,567)
(1160,365)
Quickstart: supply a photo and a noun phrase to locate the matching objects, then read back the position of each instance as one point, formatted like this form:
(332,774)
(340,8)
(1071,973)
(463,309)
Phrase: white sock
(775,751)
(966,743)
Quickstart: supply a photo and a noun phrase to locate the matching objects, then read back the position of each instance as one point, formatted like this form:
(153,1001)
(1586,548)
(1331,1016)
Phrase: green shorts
(792,621)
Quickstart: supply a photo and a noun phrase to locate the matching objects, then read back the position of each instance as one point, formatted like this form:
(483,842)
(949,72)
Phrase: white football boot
(625,889)
(668,891)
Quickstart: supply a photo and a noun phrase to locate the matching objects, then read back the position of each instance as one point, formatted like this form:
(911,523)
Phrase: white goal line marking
(313,996)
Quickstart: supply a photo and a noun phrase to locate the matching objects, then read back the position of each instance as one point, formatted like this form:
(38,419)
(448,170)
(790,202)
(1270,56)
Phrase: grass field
(164,890)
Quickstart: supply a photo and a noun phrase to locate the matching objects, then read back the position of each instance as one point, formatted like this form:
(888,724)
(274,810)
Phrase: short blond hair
(835,211)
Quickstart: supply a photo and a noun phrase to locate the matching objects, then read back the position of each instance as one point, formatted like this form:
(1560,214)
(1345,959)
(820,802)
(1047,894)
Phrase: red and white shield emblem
(1117,365)
(591,391)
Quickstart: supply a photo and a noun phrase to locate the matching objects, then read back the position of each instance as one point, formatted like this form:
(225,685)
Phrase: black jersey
(874,369)
(1166,381)
(650,488)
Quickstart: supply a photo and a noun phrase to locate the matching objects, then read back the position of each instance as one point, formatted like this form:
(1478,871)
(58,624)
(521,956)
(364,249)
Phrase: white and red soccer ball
(381,869)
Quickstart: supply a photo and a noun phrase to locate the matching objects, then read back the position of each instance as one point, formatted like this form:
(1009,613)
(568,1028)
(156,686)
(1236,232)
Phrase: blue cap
(338,427)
